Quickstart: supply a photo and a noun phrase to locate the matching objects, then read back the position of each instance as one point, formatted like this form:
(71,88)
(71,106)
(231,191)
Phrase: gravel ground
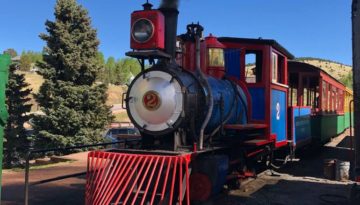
(298,183)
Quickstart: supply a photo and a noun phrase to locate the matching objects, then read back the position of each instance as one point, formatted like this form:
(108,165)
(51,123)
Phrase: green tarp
(5,61)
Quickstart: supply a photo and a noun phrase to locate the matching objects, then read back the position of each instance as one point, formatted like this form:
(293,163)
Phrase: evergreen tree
(110,70)
(18,105)
(123,72)
(102,71)
(73,105)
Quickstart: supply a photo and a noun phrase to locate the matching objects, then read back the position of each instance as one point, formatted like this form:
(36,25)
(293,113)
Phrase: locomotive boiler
(168,99)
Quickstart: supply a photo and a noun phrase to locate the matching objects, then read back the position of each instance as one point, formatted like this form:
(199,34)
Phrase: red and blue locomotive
(209,110)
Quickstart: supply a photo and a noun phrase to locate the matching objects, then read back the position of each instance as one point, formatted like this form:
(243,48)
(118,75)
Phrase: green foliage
(109,71)
(28,59)
(73,105)
(100,59)
(101,63)
(18,104)
(110,63)
(122,72)
(12,52)
(119,72)
(134,65)
(347,80)
(25,63)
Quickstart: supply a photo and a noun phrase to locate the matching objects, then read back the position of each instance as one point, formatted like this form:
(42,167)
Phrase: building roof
(258,41)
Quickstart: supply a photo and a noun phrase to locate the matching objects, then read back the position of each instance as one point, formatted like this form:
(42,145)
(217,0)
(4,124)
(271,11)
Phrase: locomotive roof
(259,41)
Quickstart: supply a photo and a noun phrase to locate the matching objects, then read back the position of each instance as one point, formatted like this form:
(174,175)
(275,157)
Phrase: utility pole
(356,81)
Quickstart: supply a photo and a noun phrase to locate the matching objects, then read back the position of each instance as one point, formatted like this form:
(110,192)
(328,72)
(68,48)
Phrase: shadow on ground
(288,192)
(68,191)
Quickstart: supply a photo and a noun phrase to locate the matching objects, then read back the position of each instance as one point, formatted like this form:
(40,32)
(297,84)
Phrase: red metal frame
(332,84)
(246,126)
(188,56)
(257,142)
(120,177)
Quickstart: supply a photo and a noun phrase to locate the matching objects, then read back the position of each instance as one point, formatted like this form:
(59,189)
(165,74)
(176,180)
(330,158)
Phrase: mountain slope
(335,69)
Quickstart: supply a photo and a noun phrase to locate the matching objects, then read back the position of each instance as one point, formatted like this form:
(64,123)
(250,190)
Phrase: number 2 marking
(278,111)
(151,100)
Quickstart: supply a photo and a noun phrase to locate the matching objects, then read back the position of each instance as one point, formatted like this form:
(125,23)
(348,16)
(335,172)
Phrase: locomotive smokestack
(170,10)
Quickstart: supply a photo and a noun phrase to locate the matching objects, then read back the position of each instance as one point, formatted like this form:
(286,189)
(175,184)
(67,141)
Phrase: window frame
(274,68)
(259,65)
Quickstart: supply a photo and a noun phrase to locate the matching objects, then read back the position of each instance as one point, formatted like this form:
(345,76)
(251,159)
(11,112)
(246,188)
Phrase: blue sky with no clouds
(320,28)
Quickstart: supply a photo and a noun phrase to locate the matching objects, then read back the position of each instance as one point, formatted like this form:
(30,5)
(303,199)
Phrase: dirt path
(69,191)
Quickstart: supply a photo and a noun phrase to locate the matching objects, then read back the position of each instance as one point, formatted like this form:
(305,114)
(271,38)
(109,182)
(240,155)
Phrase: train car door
(278,97)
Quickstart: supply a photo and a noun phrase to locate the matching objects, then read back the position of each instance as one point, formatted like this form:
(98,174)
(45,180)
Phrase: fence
(44,151)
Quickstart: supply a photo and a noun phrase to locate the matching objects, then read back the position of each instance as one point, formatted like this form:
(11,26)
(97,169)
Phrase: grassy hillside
(35,81)
(336,69)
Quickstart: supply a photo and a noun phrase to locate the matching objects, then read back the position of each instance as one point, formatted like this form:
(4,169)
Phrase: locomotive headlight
(142,30)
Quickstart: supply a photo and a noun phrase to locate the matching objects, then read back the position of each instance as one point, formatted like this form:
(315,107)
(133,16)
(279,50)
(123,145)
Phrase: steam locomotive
(210,111)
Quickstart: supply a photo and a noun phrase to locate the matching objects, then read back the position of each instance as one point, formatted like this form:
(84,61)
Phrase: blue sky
(320,28)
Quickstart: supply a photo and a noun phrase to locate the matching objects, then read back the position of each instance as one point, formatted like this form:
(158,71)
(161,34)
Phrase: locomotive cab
(261,64)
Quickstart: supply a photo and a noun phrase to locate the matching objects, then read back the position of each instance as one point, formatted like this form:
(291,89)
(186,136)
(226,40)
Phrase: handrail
(351,127)
(30,152)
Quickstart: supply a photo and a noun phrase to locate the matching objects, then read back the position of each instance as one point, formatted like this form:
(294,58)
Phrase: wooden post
(356,81)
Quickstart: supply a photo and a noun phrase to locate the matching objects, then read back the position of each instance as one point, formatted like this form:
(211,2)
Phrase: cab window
(253,66)
(216,57)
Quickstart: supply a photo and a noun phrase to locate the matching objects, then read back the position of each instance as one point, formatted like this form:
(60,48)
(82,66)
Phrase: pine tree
(18,105)
(101,76)
(73,105)
(110,70)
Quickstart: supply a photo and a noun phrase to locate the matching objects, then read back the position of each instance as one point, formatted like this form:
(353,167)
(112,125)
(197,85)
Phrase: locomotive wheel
(200,187)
